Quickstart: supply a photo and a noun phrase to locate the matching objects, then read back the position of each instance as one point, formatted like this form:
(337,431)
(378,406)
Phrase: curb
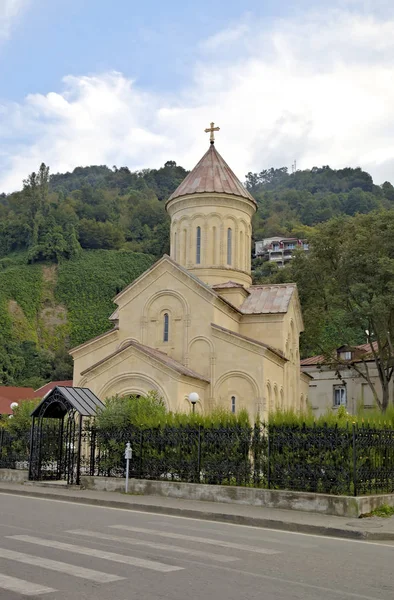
(209,516)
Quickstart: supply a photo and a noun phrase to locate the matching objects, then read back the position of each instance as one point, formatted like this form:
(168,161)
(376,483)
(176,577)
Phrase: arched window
(198,245)
(229,245)
(166,327)
(233,404)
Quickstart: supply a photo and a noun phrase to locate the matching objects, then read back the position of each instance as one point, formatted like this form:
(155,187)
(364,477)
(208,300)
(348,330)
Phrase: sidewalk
(286,520)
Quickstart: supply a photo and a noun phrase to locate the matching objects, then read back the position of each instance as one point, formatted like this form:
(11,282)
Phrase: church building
(193,322)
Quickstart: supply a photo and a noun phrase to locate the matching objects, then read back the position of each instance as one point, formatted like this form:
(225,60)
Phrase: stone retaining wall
(342,506)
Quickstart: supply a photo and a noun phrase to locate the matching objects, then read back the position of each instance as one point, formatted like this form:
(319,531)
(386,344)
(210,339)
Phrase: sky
(86,82)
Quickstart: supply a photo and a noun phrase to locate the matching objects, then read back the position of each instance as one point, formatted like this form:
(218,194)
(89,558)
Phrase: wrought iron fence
(188,453)
(14,450)
(327,459)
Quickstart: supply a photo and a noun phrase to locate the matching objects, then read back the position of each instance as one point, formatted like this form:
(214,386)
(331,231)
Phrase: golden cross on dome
(211,130)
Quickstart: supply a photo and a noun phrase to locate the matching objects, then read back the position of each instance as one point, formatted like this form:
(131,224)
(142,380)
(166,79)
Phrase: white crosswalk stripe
(93,552)
(201,540)
(60,567)
(20,586)
(155,545)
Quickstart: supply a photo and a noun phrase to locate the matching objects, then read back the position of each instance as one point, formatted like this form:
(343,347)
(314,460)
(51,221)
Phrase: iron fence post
(79,451)
(199,455)
(141,450)
(354,460)
(268,458)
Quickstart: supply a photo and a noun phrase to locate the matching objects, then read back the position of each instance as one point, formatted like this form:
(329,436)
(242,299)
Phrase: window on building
(305,246)
(229,245)
(166,327)
(290,246)
(233,404)
(340,398)
(198,245)
(275,247)
(345,355)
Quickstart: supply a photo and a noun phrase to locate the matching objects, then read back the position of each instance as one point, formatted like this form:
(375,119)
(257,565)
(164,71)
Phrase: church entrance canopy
(56,433)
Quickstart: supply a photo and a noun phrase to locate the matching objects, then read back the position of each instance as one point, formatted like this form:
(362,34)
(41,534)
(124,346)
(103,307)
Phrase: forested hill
(69,242)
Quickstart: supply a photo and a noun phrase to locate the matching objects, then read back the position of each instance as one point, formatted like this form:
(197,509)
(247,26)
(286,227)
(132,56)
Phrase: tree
(347,290)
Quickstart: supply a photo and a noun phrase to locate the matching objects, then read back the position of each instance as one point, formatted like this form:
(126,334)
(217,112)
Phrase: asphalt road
(57,550)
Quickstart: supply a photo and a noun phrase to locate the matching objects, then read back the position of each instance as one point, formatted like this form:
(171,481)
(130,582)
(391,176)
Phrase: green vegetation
(69,242)
(87,285)
(385,511)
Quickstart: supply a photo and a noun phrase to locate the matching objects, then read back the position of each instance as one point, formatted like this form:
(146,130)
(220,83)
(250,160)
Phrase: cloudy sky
(124,83)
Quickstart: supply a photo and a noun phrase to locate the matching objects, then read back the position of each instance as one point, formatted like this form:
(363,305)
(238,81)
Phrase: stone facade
(193,322)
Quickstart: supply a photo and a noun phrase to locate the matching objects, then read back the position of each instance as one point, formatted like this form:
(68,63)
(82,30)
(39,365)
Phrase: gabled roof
(249,339)
(49,386)
(81,399)
(9,394)
(228,285)
(362,352)
(211,174)
(265,299)
(153,353)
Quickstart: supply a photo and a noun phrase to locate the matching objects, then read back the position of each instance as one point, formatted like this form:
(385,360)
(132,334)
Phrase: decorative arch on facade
(269,397)
(126,341)
(276,397)
(240,375)
(133,383)
(200,358)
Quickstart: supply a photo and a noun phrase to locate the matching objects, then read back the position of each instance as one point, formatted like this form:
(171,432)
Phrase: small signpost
(128,454)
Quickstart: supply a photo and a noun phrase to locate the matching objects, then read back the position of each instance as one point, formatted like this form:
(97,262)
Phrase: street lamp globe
(14,405)
(193,399)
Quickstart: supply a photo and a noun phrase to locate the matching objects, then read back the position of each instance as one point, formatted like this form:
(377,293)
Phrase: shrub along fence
(354,459)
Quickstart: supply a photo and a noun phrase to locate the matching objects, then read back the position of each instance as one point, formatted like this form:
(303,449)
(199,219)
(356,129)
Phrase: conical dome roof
(211,174)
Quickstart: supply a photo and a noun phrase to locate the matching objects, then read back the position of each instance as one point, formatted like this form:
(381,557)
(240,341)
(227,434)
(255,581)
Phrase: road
(58,550)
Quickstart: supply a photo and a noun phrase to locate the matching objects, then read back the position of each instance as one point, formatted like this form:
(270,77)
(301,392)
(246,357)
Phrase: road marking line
(120,558)
(133,511)
(20,586)
(61,567)
(168,548)
(201,540)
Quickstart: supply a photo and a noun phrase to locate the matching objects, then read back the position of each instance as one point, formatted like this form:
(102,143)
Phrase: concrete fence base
(341,506)
(14,475)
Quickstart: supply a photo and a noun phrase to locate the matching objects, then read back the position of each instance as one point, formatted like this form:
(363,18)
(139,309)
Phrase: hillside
(46,309)
(69,242)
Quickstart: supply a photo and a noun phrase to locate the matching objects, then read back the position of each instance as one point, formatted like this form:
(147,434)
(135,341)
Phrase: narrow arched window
(233,405)
(198,245)
(166,327)
(229,245)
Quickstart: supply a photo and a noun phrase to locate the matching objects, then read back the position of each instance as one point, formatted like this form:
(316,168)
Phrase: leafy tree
(347,291)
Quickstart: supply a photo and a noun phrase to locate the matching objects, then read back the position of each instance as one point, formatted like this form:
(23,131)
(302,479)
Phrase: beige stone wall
(212,216)
(87,354)
(258,379)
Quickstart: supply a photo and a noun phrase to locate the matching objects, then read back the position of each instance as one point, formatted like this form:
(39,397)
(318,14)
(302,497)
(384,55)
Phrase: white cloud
(318,89)
(10,10)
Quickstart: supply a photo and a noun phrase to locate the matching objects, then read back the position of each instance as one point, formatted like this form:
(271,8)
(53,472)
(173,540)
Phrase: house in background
(350,389)
(279,250)
(10,394)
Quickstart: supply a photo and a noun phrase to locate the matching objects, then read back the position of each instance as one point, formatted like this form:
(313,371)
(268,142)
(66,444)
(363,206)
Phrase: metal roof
(212,174)
(265,299)
(81,399)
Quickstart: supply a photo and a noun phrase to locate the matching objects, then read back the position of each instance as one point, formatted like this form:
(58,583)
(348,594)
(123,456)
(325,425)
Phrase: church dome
(211,229)
(211,174)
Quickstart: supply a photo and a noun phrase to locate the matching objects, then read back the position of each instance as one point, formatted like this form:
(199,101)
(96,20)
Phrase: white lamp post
(193,399)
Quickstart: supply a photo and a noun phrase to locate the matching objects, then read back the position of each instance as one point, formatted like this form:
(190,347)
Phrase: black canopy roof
(81,399)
